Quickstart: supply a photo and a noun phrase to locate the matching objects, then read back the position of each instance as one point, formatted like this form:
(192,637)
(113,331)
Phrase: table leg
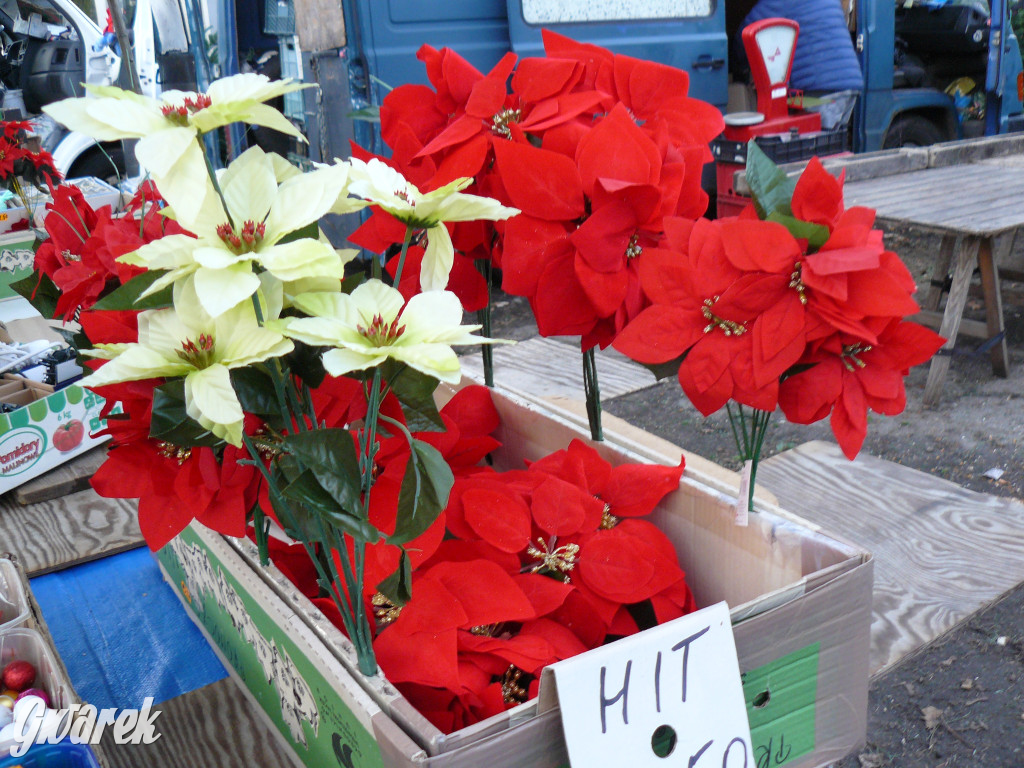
(964,259)
(989,255)
(939,273)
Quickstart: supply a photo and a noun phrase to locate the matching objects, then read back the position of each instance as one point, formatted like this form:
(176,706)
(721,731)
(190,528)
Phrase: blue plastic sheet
(122,632)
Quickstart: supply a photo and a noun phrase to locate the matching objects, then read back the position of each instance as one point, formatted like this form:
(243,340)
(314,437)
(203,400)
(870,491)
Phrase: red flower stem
(593,394)
(484,316)
(405,250)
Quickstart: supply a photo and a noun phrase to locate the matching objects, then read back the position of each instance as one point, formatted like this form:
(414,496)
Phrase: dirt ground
(960,700)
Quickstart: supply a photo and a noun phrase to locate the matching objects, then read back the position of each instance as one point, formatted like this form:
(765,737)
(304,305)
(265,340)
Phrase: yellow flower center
(197,353)
(382,333)
(245,240)
(849,356)
(501,121)
(633,248)
(796,282)
(729,327)
(556,561)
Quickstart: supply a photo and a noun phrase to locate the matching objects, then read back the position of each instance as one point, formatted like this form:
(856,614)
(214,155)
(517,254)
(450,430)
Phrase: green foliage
(171,423)
(127,296)
(424,494)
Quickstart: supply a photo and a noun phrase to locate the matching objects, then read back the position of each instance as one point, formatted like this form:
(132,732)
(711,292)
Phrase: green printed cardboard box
(801,613)
(46,428)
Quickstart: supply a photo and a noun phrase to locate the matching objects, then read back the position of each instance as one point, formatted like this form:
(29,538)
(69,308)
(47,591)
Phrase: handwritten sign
(668,696)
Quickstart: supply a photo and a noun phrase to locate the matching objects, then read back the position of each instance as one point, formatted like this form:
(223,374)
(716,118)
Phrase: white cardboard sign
(623,703)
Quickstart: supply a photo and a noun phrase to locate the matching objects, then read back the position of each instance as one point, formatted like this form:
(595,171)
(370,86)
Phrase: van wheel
(106,164)
(912,131)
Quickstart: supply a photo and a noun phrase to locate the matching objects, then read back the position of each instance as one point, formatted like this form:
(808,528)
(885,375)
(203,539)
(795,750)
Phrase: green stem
(405,251)
(212,173)
(755,459)
(484,316)
(593,394)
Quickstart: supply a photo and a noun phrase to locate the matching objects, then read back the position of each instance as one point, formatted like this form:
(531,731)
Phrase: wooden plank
(941,551)
(320,25)
(973,328)
(58,533)
(549,368)
(212,726)
(940,270)
(994,301)
(963,268)
(60,481)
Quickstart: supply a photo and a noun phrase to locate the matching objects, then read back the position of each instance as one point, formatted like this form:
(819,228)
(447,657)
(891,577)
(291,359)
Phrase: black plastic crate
(782,148)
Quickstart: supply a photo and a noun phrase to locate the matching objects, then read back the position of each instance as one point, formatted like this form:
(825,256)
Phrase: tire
(95,162)
(912,131)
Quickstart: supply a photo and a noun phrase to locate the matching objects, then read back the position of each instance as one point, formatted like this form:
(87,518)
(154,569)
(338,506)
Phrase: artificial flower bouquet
(264,393)
(21,167)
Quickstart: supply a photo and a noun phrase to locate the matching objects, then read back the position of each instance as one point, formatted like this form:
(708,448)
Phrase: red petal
(540,183)
(487,594)
(497,518)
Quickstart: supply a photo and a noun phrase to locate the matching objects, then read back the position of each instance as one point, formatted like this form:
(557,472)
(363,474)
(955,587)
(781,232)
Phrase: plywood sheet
(550,368)
(57,533)
(941,551)
(212,726)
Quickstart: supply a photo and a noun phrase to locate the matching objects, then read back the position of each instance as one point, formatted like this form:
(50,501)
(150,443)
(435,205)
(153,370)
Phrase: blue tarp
(123,633)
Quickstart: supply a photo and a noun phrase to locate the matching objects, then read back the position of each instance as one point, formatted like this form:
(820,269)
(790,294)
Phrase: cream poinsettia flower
(185,341)
(167,128)
(385,187)
(222,256)
(374,323)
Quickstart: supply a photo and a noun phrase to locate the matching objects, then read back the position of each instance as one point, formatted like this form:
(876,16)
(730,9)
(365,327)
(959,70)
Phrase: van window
(573,11)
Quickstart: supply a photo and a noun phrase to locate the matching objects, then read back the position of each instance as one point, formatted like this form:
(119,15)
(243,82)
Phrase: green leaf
(305,362)
(770,187)
(40,291)
(815,234)
(665,370)
(398,586)
(415,391)
(424,494)
(310,231)
(171,424)
(331,456)
(127,296)
(255,392)
(311,500)
(369,114)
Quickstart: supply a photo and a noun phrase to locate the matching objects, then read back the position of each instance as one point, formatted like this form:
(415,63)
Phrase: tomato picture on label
(68,436)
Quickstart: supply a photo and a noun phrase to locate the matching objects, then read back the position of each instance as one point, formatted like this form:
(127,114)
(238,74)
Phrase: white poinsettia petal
(267,116)
(221,289)
(426,313)
(302,258)
(211,400)
(247,343)
(164,329)
(437,360)
(471,208)
(212,257)
(75,114)
(160,152)
(438,259)
(113,92)
(318,331)
(296,288)
(249,187)
(136,363)
(374,298)
(250,86)
(377,181)
(335,306)
(130,117)
(303,200)
(185,186)
(282,168)
(164,253)
(339,362)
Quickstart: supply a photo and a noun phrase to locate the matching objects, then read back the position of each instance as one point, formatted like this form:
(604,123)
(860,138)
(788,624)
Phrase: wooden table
(977,208)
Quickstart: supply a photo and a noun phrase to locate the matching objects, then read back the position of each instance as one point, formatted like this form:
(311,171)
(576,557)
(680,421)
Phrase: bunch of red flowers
(522,569)
(595,149)
(18,162)
(805,309)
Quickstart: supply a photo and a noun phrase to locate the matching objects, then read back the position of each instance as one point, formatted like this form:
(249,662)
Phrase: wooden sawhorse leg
(989,255)
(965,256)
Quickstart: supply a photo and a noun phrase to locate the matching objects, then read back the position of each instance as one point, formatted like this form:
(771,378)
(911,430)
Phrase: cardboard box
(47,427)
(801,608)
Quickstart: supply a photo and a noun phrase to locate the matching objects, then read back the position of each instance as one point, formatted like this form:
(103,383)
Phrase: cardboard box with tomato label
(41,428)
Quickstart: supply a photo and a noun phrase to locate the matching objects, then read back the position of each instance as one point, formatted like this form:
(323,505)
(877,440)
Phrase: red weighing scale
(770,44)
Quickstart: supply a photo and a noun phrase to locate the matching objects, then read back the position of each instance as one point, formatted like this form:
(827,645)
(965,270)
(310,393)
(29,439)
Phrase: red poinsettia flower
(848,376)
